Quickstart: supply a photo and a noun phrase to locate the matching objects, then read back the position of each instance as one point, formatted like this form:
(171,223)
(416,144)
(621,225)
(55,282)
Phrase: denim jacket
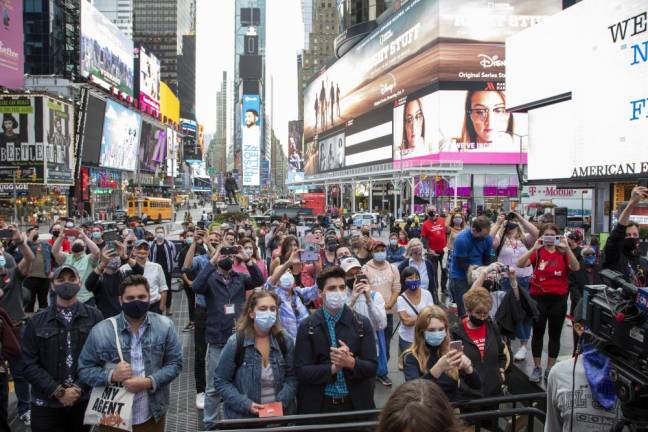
(160,347)
(240,387)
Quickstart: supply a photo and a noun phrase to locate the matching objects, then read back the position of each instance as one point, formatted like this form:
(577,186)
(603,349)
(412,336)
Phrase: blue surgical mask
(3,261)
(189,240)
(393,242)
(380,256)
(413,285)
(589,259)
(435,338)
(96,235)
(264,320)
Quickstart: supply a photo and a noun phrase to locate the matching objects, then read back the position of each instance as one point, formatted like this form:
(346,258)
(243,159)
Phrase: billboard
(173,146)
(149,81)
(153,146)
(600,132)
(90,139)
(331,152)
(296,145)
(190,139)
(59,147)
(12,57)
(120,138)
(251,139)
(474,126)
(106,52)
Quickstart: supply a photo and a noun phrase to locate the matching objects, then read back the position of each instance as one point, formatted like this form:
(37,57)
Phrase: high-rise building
(160,25)
(278,165)
(222,131)
(120,12)
(320,30)
(187,77)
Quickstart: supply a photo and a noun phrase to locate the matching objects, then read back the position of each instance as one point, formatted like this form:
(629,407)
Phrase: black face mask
(489,285)
(432,215)
(226,264)
(67,290)
(477,322)
(135,309)
(630,246)
(55,234)
(77,248)
(331,247)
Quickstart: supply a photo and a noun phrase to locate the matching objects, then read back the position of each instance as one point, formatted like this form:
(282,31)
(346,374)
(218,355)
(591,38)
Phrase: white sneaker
(200,401)
(521,354)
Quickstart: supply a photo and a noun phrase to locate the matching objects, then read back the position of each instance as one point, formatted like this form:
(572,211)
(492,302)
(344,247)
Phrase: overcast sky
(215,53)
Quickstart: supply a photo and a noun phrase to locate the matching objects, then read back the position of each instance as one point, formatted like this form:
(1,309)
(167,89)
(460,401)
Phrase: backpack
(240,352)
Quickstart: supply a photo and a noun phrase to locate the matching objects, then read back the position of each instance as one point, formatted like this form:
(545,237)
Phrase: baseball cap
(348,263)
(65,267)
(140,243)
(377,243)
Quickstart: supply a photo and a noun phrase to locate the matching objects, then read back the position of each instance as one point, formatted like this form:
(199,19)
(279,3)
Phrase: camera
(549,240)
(511,216)
(505,269)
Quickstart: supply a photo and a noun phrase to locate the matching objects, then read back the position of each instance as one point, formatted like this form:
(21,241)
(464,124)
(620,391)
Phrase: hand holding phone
(456,346)
(6,233)
(71,232)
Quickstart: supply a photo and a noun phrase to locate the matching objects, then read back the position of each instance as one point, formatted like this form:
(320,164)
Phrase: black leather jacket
(44,345)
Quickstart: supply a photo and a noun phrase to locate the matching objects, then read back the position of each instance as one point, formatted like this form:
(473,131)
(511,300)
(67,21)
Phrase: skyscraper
(220,139)
(120,12)
(187,77)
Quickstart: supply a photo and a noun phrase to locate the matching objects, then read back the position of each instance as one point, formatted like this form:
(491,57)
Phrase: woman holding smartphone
(434,357)
(552,260)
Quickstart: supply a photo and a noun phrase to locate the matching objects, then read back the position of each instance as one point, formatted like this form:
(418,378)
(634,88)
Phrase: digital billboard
(106,52)
(295,145)
(12,57)
(190,139)
(59,148)
(153,146)
(149,81)
(251,139)
(22,139)
(120,138)
(92,128)
(331,152)
(472,126)
(173,146)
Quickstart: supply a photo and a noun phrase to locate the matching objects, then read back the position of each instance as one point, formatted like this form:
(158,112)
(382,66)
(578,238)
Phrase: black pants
(191,301)
(4,403)
(437,262)
(552,311)
(167,277)
(329,407)
(155,307)
(231,197)
(38,287)
(200,348)
(69,419)
(388,332)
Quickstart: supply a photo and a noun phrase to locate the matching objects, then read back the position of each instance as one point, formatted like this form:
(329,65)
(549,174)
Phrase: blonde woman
(431,358)
(427,270)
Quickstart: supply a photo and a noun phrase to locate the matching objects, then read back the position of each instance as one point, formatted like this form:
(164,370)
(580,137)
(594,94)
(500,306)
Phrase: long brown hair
(255,248)
(419,349)
(285,252)
(468,132)
(245,324)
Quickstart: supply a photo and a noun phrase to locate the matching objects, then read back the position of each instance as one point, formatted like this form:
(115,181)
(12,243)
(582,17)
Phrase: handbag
(111,405)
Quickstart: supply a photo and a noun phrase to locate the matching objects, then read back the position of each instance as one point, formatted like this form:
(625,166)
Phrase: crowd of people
(279,331)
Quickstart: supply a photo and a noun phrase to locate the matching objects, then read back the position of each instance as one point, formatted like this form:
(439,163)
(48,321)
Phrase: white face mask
(248,252)
(334,300)
(287,281)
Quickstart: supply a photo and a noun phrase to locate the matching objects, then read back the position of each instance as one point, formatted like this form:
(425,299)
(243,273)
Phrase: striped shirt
(141,412)
(339,387)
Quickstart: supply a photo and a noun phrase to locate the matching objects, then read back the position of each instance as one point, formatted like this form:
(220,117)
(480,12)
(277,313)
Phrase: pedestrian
(395,252)
(409,304)
(153,273)
(152,356)
(224,292)
(335,353)
(37,280)
(434,234)
(163,252)
(51,345)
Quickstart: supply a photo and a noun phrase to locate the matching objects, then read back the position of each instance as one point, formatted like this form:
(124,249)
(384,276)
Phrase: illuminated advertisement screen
(173,145)
(331,152)
(295,146)
(59,148)
(251,139)
(12,58)
(149,81)
(120,138)
(106,52)
(153,146)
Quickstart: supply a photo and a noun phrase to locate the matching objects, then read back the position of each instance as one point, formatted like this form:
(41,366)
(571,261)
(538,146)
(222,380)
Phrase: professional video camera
(619,329)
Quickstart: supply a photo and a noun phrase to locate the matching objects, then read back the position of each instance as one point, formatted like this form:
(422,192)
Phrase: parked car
(120,215)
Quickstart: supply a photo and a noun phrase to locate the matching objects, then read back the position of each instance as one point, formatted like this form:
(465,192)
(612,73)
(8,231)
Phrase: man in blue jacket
(152,355)
(224,292)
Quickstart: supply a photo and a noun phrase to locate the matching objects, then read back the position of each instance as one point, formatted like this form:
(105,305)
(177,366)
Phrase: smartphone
(6,233)
(549,240)
(511,216)
(71,232)
(110,245)
(456,345)
(229,250)
(361,278)
(200,224)
(643,182)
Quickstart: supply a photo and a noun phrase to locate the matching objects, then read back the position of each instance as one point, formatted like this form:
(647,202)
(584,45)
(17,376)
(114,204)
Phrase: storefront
(105,192)
(34,204)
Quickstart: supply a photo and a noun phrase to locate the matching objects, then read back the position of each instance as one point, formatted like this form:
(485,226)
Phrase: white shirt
(374,312)
(154,274)
(407,332)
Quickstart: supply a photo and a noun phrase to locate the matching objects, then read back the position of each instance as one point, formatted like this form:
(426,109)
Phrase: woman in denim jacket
(258,368)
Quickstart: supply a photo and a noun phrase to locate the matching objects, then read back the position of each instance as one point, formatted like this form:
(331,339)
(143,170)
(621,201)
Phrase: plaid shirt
(339,387)
(141,412)
(292,310)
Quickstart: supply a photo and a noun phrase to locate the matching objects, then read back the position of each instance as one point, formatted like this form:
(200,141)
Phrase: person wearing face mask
(224,293)
(163,252)
(395,252)
(588,274)
(106,278)
(335,353)
(409,304)
(59,395)
(471,247)
(77,258)
(152,355)
(434,234)
(427,270)
(360,247)
(12,278)
(57,230)
(152,272)
(293,296)
(250,251)
(430,356)
(384,278)
(622,247)
(328,257)
(96,234)
(256,366)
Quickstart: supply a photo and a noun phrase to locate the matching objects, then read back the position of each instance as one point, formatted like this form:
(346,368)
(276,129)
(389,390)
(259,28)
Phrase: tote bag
(111,405)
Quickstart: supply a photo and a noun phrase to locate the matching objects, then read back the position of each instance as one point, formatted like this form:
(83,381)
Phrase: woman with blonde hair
(416,258)
(430,356)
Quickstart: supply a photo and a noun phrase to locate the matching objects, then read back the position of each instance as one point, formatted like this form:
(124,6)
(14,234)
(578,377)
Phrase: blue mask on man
(597,370)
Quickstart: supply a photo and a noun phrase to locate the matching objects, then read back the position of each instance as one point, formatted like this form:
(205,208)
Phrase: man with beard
(622,248)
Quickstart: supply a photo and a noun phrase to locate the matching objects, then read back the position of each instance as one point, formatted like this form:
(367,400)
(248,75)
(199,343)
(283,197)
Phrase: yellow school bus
(157,209)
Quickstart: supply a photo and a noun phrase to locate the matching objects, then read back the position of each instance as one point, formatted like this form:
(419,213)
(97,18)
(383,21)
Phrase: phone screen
(456,345)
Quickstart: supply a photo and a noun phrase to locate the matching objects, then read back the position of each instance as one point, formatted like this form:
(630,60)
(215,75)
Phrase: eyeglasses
(418,116)
(481,113)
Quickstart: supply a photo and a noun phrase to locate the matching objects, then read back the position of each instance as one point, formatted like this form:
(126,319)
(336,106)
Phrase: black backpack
(240,352)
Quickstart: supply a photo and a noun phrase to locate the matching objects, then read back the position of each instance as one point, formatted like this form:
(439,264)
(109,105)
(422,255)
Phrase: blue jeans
(459,287)
(523,329)
(23,393)
(212,399)
(402,344)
